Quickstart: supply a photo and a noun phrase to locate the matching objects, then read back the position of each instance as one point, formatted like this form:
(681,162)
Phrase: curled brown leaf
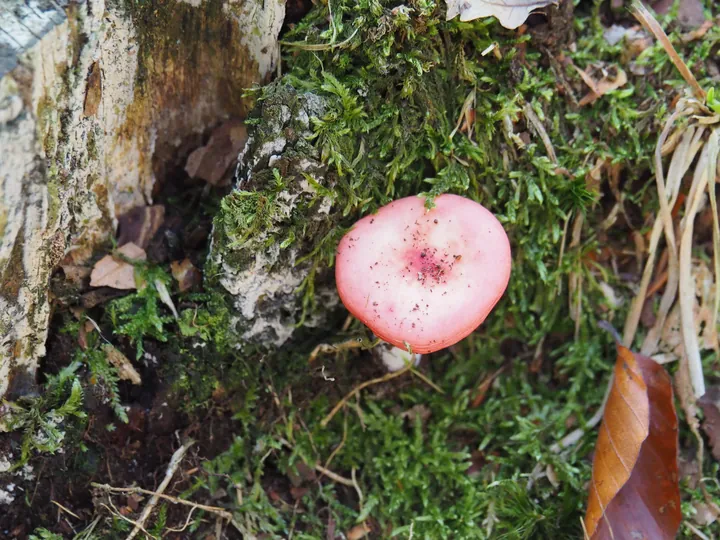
(634,492)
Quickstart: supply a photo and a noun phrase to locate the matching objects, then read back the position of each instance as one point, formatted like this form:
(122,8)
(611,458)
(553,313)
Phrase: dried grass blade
(682,159)
(687,283)
(713,149)
(651,25)
(633,318)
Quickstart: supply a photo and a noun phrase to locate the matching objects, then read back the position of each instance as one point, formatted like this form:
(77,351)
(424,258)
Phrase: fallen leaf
(484,386)
(185,274)
(704,514)
(126,371)
(612,79)
(616,33)
(417,411)
(690,13)
(510,13)
(710,404)
(634,492)
(358,531)
(140,224)
(86,329)
(697,33)
(115,272)
(301,473)
(77,275)
(211,162)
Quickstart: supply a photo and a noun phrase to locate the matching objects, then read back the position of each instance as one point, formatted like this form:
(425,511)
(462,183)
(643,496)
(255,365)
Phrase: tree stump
(93,94)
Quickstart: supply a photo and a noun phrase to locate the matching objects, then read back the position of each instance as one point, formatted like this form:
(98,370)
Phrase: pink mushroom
(424,278)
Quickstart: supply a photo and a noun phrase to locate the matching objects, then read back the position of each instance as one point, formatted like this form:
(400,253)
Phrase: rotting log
(93,95)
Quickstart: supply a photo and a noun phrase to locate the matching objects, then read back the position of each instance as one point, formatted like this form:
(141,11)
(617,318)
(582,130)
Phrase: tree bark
(94,95)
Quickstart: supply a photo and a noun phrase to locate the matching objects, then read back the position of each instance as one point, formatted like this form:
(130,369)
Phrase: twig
(114,511)
(319,46)
(357,486)
(73,514)
(177,457)
(187,522)
(425,379)
(334,476)
(540,130)
(696,531)
(362,386)
(339,446)
(211,509)
(652,26)
(322,470)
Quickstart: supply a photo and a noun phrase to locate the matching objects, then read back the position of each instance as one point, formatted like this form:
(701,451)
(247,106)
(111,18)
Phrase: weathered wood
(91,94)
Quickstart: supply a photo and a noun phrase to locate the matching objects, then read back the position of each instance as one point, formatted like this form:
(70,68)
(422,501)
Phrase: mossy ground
(426,464)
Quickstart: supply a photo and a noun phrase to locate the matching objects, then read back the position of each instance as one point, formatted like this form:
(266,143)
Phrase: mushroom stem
(396,358)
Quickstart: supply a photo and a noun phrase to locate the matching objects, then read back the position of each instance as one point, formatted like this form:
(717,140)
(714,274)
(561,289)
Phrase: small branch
(358,388)
(211,509)
(540,129)
(323,470)
(427,381)
(334,476)
(177,457)
(115,512)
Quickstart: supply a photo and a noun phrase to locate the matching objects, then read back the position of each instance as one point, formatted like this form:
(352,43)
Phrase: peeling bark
(91,93)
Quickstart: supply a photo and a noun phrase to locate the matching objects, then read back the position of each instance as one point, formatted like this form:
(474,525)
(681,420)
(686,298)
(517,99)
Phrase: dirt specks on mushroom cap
(425,277)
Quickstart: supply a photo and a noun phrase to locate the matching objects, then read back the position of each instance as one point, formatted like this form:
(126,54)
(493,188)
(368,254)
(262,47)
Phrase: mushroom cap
(426,278)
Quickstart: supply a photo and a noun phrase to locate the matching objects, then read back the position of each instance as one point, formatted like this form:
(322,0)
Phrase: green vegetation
(45,421)
(396,83)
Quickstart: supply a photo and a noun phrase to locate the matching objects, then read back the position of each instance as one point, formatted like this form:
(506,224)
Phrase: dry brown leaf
(77,275)
(611,80)
(484,386)
(634,491)
(140,224)
(126,371)
(211,162)
(358,531)
(185,274)
(710,404)
(510,13)
(116,273)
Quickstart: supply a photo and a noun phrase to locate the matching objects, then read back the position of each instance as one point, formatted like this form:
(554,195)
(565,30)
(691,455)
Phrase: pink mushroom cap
(424,278)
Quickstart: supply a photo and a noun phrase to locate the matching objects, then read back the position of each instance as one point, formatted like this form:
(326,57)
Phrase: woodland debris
(358,531)
(710,404)
(634,490)
(126,371)
(186,275)
(140,224)
(611,78)
(211,162)
(113,271)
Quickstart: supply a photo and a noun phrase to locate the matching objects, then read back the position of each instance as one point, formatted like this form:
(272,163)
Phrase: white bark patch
(267,16)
